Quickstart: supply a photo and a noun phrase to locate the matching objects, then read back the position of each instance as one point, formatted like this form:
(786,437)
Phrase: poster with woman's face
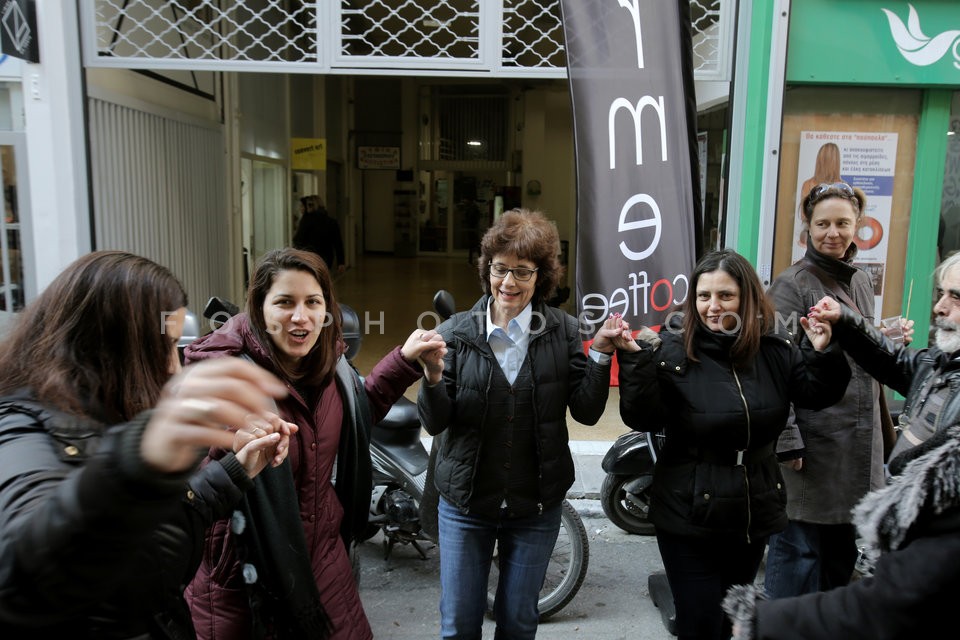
(861,159)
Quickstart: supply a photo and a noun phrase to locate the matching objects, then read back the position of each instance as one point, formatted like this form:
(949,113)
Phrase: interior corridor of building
(390,294)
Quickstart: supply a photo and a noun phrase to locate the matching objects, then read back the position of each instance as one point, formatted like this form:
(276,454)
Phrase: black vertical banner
(634,113)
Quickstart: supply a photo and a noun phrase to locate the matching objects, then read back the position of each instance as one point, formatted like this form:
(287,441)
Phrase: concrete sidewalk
(587,456)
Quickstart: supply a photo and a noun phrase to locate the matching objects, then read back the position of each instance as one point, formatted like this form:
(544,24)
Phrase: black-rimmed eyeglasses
(522,274)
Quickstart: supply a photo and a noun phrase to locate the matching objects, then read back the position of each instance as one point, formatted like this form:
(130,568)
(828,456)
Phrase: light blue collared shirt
(510,346)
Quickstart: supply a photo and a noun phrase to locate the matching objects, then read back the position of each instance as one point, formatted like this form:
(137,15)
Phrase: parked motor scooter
(625,498)
(624,494)
(571,553)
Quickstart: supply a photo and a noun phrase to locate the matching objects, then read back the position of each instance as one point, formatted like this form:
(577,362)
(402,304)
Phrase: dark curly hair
(530,236)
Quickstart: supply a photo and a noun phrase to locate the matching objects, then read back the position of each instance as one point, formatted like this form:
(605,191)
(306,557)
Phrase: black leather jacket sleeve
(73,519)
(891,364)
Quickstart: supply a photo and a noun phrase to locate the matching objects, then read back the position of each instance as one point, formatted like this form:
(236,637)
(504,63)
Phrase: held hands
(796,464)
(616,334)
(818,332)
(266,442)
(828,310)
(197,403)
(429,348)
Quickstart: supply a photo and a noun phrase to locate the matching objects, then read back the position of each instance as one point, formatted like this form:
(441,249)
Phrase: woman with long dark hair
(102,509)
(719,382)
(281,567)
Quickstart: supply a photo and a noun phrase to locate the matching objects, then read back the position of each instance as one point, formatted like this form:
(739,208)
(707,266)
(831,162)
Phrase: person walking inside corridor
(319,232)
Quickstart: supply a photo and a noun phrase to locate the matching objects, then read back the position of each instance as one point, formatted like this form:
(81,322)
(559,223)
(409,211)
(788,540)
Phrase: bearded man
(929,379)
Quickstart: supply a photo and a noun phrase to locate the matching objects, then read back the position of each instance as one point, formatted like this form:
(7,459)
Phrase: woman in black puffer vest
(513,368)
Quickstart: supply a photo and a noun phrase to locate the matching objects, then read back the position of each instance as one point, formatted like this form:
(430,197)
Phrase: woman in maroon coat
(293,530)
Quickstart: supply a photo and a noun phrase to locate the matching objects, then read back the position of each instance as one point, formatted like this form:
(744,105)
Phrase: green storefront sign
(880,42)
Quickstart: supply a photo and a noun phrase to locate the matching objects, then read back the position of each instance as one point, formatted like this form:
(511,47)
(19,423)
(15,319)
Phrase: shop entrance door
(456,208)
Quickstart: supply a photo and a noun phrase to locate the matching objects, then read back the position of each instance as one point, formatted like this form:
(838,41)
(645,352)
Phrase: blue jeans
(807,557)
(466,551)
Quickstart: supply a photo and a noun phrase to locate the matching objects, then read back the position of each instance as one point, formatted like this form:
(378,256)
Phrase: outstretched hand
(195,406)
(906,329)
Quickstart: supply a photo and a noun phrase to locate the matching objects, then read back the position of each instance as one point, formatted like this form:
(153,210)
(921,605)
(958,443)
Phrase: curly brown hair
(530,236)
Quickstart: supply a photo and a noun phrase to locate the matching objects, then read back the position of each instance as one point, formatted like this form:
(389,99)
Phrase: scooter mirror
(443,303)
(191,331)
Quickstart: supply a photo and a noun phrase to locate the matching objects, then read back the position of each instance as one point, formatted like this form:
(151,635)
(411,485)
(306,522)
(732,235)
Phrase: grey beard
(946,340)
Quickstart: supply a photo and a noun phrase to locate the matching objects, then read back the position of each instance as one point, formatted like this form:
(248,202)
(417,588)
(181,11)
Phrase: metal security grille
(515,38)
(447,29)
(533,34)
(258,31)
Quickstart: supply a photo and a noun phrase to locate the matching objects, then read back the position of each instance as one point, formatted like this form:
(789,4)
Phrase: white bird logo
(917,48)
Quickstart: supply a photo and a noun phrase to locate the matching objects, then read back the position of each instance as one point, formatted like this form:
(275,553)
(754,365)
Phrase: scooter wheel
(566,571)
(629,511)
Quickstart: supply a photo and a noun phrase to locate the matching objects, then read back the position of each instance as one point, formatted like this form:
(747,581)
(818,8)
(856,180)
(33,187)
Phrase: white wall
(56,149)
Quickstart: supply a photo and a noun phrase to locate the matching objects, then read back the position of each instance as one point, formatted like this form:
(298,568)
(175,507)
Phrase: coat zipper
(746,479)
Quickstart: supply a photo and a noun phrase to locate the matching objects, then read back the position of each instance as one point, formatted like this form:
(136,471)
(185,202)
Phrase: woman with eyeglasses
(834,456)
(513,367)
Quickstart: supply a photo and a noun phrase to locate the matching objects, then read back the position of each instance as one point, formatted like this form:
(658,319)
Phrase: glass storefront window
(11,273)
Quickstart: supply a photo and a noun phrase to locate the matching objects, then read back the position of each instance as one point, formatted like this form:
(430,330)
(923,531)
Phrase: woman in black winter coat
(102,511)
(720,383)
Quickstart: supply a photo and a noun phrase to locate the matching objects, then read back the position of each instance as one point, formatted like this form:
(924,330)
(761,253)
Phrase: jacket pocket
(219,555)
(720,498)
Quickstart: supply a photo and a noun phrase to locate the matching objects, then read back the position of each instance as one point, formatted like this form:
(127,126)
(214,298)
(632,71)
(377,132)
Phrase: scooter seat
(403,416)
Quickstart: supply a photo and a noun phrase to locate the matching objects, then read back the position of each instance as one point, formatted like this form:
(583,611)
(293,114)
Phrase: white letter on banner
(640,224)
(634,10)
(645,101)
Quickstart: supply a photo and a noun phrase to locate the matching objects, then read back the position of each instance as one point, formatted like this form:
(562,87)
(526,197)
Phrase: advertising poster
(866,160)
